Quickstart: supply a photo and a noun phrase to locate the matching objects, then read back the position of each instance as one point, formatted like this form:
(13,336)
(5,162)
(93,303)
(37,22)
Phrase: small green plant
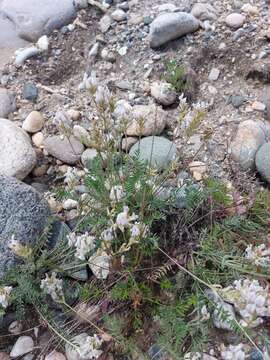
(175,75)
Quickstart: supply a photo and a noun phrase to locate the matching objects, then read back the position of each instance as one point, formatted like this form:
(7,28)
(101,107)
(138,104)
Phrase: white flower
(19,249)
(117,193)
(5,296)
(91,83)
(103,95)
(99,263)
(53,286)
(90,349)
(250,299)
(83,243)
(107,235)
(123,220)
(233,352)
(258,255)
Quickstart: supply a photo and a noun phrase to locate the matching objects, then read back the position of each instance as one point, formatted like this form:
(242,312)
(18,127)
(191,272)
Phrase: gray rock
(88,156)
(235,20)
(237,101)
(7,102)
(204,11)
(249,138)
(262,161)
(71,351)
(23,345)
(214,74)
(23,213)
(171,26)
(119,15)
(34,18)
(159,151)
(30,92)
(17,156)
(105,23)
(68,150)
(163,93)
(224,309)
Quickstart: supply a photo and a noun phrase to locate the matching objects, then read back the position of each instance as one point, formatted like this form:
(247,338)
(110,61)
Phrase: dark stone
(23,213)
(30,92)
(237,101)
(59,231)
(147,20)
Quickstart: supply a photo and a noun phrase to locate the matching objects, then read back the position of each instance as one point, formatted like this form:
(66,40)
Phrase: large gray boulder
(23,213)
(34,18)
(167,27)
(156,150)
(17,156)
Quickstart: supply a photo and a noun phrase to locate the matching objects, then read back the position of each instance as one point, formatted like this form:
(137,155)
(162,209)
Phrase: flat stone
(17,156)
(262,161)
(7,102)
(34,18)
(34,122)
(119,15)
(259,106)
(23,345)
(163,93)
(158,151)
(214,74)
(249,138)
(68,150)
(23,213)
(237,101)
(147,120)
(105,23)
(170,26)
(235,20)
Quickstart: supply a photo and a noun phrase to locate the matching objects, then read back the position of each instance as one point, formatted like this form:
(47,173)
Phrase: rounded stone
(38,139)
(163,93)
(235,20)
(71,352)
(262,161)
(249,138)
(68,150)
(34,122)
(156,150)
(88,156)
(17,156)
(23,214)
(23,345)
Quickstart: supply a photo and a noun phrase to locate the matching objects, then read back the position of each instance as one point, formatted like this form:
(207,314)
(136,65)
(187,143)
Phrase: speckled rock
(163,93)
(17,157)
(157,150)
(7,102)
(68,150)
(204,11)
(235,20)
(147,120)
(249,138)
(23,214)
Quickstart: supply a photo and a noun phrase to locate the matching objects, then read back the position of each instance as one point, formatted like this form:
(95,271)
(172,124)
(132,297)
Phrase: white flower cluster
(251,301)
(233,352)
(90,349)
(193,356)
(83,243)
(19,249)
(117,193)
(5,296)
(53,286)
(258,255)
